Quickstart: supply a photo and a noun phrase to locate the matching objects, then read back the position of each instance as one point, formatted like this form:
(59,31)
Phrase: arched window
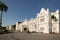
(42,20)
(35,26)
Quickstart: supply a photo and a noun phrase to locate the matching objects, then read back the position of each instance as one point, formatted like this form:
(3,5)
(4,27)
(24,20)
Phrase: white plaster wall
(56,23)
(20,27)
(17,26)
(10,27)
(36,21)
(43,14)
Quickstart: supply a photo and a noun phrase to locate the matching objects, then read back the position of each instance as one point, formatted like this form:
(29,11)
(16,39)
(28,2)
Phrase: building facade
(44,22)
(11,27)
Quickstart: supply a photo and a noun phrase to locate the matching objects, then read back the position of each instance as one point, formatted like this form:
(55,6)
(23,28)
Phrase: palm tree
(53,17)
(3,8)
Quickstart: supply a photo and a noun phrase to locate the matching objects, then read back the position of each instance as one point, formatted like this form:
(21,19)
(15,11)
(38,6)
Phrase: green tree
(3,8)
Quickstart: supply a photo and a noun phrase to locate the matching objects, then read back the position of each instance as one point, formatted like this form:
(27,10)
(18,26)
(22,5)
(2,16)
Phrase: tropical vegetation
(3,8)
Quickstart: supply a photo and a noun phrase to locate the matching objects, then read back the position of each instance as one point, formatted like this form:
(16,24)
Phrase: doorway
(25,29)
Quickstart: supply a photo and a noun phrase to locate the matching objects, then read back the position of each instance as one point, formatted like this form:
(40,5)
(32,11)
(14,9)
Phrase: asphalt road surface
(29,36)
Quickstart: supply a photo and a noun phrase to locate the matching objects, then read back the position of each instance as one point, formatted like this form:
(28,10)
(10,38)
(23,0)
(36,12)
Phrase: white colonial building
(44,22)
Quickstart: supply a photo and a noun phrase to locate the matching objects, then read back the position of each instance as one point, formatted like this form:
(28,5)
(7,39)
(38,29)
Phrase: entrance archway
(25,29)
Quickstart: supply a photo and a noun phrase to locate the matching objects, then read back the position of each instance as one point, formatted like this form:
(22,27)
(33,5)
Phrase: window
(35,26)
(42,28)
(42,20)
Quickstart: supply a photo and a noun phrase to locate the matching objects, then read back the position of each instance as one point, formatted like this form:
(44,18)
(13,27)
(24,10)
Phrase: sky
(18,10)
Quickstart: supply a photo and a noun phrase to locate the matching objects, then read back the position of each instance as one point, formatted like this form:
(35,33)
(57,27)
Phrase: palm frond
(3,7)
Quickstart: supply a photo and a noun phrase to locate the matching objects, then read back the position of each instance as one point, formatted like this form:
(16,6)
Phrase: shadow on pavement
(6,32)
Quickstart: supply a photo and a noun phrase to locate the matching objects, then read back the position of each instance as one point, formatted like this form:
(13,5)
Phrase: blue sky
(18,10)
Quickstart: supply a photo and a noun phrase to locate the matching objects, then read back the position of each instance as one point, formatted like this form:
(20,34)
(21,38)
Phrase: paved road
(6,36)
(26,36)
(36,36)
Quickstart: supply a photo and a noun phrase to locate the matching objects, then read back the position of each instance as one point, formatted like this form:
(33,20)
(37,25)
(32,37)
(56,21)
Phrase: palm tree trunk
(0,19)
